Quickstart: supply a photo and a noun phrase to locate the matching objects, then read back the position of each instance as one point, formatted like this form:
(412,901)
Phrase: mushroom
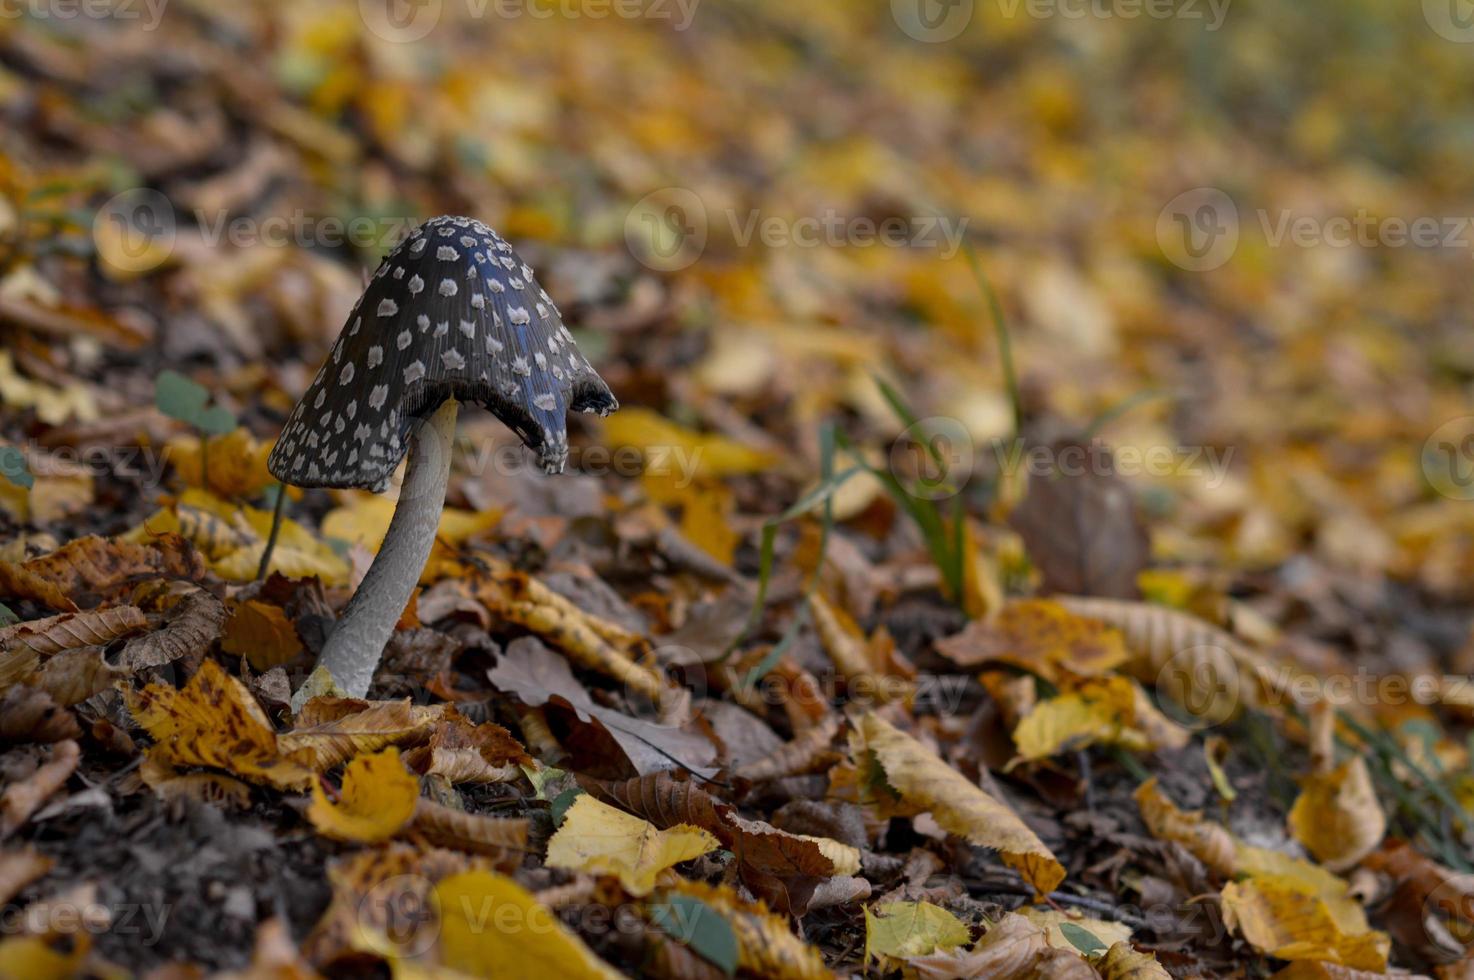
(452,315)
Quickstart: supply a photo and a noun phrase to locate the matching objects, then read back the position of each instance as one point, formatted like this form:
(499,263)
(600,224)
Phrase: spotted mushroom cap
(451,312)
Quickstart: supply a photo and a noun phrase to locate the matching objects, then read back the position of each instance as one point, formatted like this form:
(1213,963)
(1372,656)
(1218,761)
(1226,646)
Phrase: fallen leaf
(261,633)
(1337,816)
(1109,711)
(191,627)
(1039,636)
(906,929)
(94,565)
(22,797)
(330,731)
(960,807)
(1009,950)
(1279,919)
(1209,842)
(599,839)
(765,945)
(1122,962)
(378,799)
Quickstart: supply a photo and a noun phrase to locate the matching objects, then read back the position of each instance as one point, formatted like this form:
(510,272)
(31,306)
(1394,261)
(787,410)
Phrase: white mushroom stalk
(354,647)
(452,315)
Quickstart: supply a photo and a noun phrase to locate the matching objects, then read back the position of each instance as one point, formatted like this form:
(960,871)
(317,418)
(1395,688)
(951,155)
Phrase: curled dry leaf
(28,714)
(503,840)
(22,797)
(330,731)
(1337,816)
(378,798)
(1009,950)
(215,722)
(870,664)
(18,868)
(765,945)
(599,839)
(1209,842)
(193,624)
(25,646)
(594,643)
(95,566)
(797,757)
(466,753)
(214,788)
(926,782)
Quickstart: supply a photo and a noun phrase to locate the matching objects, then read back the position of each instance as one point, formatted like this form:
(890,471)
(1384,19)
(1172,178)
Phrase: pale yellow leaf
(599,839)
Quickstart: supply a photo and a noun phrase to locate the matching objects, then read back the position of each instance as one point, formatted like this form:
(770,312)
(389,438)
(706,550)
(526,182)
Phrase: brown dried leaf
(261,633)
(1009,950)
(22,798)
(28,714)
(502,839)
(1039,636)
(538,677)
(95,566)
(18,869)
(68,631)
(340,728)
(1123,962)
(467,753)
(797,757)
(214,788)
(192,625)
(1081,527)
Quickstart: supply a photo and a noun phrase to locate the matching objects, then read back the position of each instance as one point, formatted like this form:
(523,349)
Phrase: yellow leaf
(32,958)
(1041,637)
(492,927)
(235,463)
(1105,712)
(597,838)
(706,520)
(905,929)
(261,633)
(1307,878)
(1122,962)
(1279,919)
(215,722)
(765,945)
(379,797)
(329,731)
(957,805)
(1208,842)
(1337,816)
(364,520)
(673,449)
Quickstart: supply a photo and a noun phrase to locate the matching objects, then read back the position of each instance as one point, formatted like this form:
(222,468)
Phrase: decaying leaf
(330,731)
(28,714)
(600,839)
(466,753)
(1122,962)
(95,566)
(1009,950)
(260,632)
(24,646)
(18,868)
(378,799)
(502,840)
(1280,919)
(925,781)
(795,757)
(215,722)
(203,787)
(192,625)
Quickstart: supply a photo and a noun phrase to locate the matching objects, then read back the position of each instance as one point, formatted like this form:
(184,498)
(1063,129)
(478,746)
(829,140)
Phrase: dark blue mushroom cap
(452,312)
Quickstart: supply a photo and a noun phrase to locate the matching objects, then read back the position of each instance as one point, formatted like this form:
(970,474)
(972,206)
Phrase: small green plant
(189,402)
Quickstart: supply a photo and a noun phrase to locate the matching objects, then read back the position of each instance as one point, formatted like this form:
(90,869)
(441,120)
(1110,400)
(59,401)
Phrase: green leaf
(6,616)
(905,929)
(1082,939)
(562,802)
(693,923)
(14,467)
(182,398)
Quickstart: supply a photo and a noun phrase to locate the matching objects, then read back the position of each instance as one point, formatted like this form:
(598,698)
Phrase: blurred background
(1235,232)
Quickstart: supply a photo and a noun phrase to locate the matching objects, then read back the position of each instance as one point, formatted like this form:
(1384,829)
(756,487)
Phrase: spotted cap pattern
(451,312)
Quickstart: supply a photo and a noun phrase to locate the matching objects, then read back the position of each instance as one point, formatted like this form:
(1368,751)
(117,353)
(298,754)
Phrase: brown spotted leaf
(95,566)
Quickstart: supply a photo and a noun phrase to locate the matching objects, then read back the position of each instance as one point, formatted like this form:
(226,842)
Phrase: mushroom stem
(356,644)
